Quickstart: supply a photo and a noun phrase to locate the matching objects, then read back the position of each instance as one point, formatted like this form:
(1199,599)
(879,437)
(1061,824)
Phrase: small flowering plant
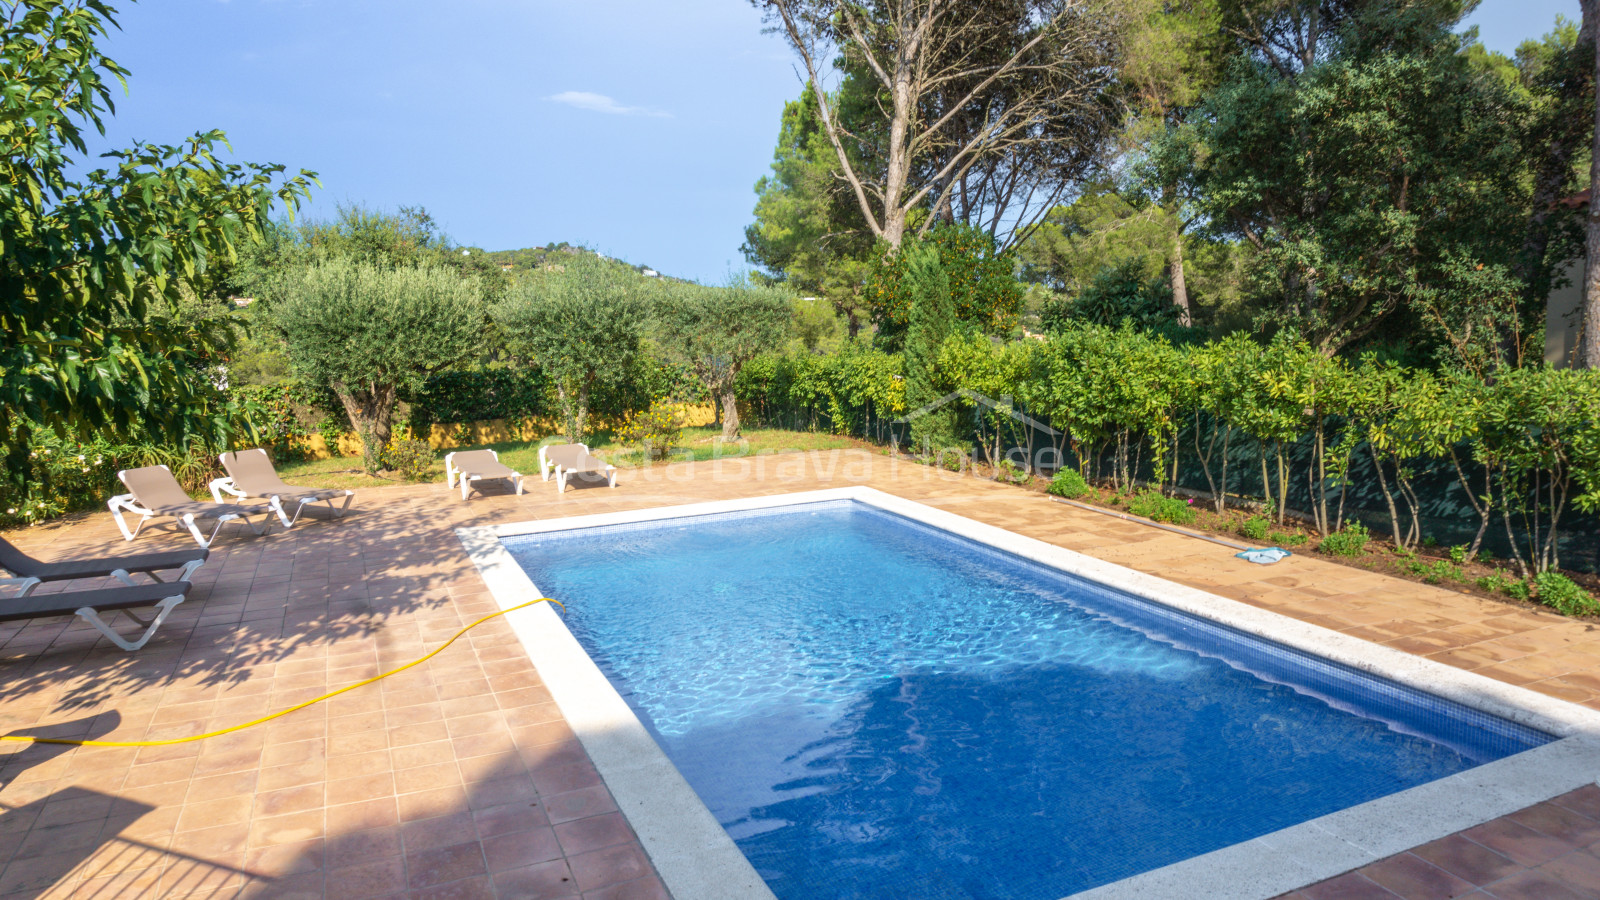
(61,475)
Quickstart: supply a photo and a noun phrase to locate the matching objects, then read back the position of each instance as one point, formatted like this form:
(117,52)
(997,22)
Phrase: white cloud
(601,103)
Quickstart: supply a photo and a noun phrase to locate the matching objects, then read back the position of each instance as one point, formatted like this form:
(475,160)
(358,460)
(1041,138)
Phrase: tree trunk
(580,415)
(371,412)
(1589,349)
(730,414)
(1180,285)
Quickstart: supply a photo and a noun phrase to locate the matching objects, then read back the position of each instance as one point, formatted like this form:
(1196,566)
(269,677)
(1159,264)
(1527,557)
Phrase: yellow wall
(490,431)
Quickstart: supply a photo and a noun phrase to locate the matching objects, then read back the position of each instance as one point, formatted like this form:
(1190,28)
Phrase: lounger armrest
(24,586)
(221,485)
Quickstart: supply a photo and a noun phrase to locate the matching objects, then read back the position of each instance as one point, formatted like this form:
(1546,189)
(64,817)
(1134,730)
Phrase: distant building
(650,273)
(506,267)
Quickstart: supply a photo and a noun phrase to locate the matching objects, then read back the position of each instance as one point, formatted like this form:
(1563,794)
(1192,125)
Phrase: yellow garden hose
(283,712)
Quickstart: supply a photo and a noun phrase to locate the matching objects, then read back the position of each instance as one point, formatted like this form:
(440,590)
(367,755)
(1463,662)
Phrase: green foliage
(655,431)
(1011,473)
(1120,293)
(1351,540)
(1287,538)
(92,265)
(1157,507)
(368,333)
(412,458)
(405,239)
(714,332)
(1437,571)
(984,292)
(1558,592)
(1459,554)
(931,320)
(474,395)
(854,391)
(1069,483)
(1501,584)
(1255,528)
(1368,178)
(809,233)
(582,324)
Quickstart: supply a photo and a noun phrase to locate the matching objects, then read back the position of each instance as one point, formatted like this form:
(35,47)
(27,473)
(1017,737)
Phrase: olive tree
(581,322)
(368,332)
(716,330)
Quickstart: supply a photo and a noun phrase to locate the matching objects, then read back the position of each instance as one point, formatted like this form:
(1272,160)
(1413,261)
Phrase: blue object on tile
(1265,557)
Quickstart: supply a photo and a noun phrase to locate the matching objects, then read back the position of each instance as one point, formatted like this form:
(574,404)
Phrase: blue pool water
(877,709)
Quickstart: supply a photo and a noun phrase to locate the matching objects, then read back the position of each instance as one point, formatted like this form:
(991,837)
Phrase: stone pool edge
(698,861)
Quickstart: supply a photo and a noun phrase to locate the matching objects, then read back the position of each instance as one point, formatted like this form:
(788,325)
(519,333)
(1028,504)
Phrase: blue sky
(637,128)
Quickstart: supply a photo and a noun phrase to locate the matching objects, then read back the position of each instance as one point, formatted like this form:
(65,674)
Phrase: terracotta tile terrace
(459,778)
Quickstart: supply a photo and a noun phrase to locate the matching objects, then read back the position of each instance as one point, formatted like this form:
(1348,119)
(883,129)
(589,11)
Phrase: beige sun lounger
(152,492)
(573,459)
(476,465)
(250,474)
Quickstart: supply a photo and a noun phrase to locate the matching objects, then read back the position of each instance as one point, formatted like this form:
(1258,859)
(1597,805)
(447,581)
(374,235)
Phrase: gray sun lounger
(154,492)
(477,465)
(88,605)
(573,459)
(250,474)
(29,573)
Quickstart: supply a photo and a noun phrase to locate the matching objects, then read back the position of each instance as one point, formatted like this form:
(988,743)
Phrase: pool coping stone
(697,860)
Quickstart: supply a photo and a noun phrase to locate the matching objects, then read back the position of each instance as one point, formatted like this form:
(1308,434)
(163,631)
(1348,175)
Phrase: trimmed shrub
(655,431)
(413,459)
(1069,483)
(1348,541)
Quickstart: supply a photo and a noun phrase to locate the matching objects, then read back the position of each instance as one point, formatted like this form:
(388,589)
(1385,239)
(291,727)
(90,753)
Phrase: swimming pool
(873,707)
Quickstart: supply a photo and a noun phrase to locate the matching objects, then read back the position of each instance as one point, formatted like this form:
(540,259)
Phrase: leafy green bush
(1254,528)
(1011,473)
(1348,541)
(655,431)
(1439,571)
(1069,483)
(1458,554)
(412,458)
(1559,592)
(1159,508)
(1503,584)
(1287,538)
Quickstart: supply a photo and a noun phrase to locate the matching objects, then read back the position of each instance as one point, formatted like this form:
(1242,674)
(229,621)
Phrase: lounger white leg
(339,511)
(163,609)
(24,586)
(561,480)
(277,507)
(126,577)
(466,484)
(124,502)
(517,480)
(611,475)
(188,521)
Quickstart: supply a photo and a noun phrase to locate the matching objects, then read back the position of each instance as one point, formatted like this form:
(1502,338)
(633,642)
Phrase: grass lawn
(702,443)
